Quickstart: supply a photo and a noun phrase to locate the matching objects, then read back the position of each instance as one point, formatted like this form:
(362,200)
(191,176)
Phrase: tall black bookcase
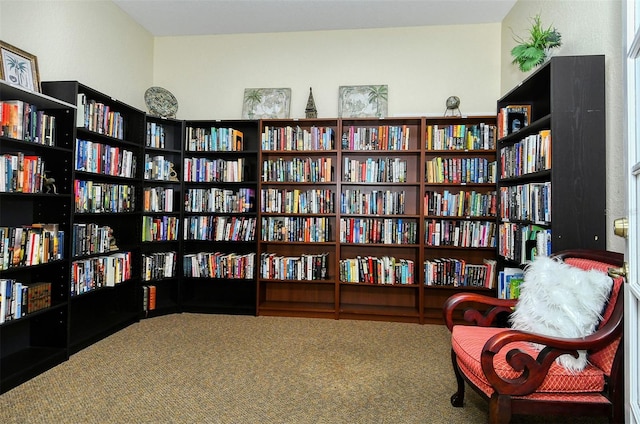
(35,338)
(566,129)
(162,205)
(105,293)
(220,173)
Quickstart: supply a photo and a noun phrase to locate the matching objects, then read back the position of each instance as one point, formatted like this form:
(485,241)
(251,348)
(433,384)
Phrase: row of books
(18,299)
(378,231)
(298,139)
(522,243)
(526,202)
(220,200)
(219,228)
(456,233)
(23,121)
(462,203)
(158,168)
(309,267)
(204,170)
(374,202)
(90,238)
(273,200)
(164,228)
(461,137)
(529,155)
(383,137)
(99,158)
(219,265)
(158,199)
(155,136)
(458,273)
(512,118)
(29,245)
(214,140)
(102,271)
(296,229)
(96,197)
(158,265)
(298,170)
(381,170)
(20,173)
(373,270)
(460,170)
(149,297)
(99,117)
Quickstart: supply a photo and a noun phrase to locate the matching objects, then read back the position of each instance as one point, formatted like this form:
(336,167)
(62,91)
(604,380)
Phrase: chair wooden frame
(510,395)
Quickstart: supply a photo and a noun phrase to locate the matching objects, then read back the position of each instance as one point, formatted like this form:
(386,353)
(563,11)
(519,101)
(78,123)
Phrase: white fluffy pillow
(560,300)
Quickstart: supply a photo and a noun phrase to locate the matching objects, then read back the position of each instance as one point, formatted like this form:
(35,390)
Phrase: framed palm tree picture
(19,67)
(363,101)
(264,103)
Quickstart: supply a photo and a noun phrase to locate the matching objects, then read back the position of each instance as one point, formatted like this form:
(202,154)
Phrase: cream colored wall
(93,42)
(422,67)
(587,27)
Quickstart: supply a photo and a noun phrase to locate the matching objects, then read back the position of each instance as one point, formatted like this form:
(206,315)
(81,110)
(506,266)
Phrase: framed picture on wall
(260,103)
(19,67)
(358,101)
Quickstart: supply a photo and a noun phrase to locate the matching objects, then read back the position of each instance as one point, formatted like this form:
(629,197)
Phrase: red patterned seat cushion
(468,341)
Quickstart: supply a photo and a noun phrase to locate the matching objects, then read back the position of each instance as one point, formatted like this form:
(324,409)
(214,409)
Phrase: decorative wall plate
(161,102)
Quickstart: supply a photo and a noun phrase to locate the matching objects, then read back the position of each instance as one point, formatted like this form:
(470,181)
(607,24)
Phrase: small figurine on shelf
(311,111)
(453,106)
(48,184)
(112,240)
(173,174)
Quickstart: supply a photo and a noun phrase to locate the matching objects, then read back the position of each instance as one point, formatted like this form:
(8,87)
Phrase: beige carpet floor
(198,368)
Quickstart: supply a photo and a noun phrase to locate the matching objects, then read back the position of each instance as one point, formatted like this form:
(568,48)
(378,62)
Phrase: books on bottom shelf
(103,271)
(219,265)
(381,271)
(509,280)
(457,273)
(18,299)
(306,267)
(148,298)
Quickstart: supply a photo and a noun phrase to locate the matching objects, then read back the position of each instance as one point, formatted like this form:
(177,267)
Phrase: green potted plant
(534,50)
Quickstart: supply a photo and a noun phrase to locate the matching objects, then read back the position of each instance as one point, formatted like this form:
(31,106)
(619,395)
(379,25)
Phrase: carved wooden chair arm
(482,319)
(534,370)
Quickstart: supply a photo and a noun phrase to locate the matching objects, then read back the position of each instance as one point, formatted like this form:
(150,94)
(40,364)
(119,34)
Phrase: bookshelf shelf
(223,198)
(377,185)
(33,338)
(107,139)
(567,106)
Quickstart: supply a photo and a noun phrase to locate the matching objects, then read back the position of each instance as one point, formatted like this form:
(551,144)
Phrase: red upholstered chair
(517,379)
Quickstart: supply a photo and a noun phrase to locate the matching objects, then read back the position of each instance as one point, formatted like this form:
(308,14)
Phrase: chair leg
(457,399)
(499,409)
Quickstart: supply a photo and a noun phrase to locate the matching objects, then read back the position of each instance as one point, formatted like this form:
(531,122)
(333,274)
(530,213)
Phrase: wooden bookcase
(162,204)
(220,171)
(298,195)
(374,247)
(566,98)
(105,293)
(459,198)
(380,159)
(36,339)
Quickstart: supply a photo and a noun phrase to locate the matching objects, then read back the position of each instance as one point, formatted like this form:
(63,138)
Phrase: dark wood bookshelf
(103,310)
(567,98)
(38,340)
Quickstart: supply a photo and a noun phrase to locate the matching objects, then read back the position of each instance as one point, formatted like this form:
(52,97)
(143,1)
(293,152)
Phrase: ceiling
(209,17)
